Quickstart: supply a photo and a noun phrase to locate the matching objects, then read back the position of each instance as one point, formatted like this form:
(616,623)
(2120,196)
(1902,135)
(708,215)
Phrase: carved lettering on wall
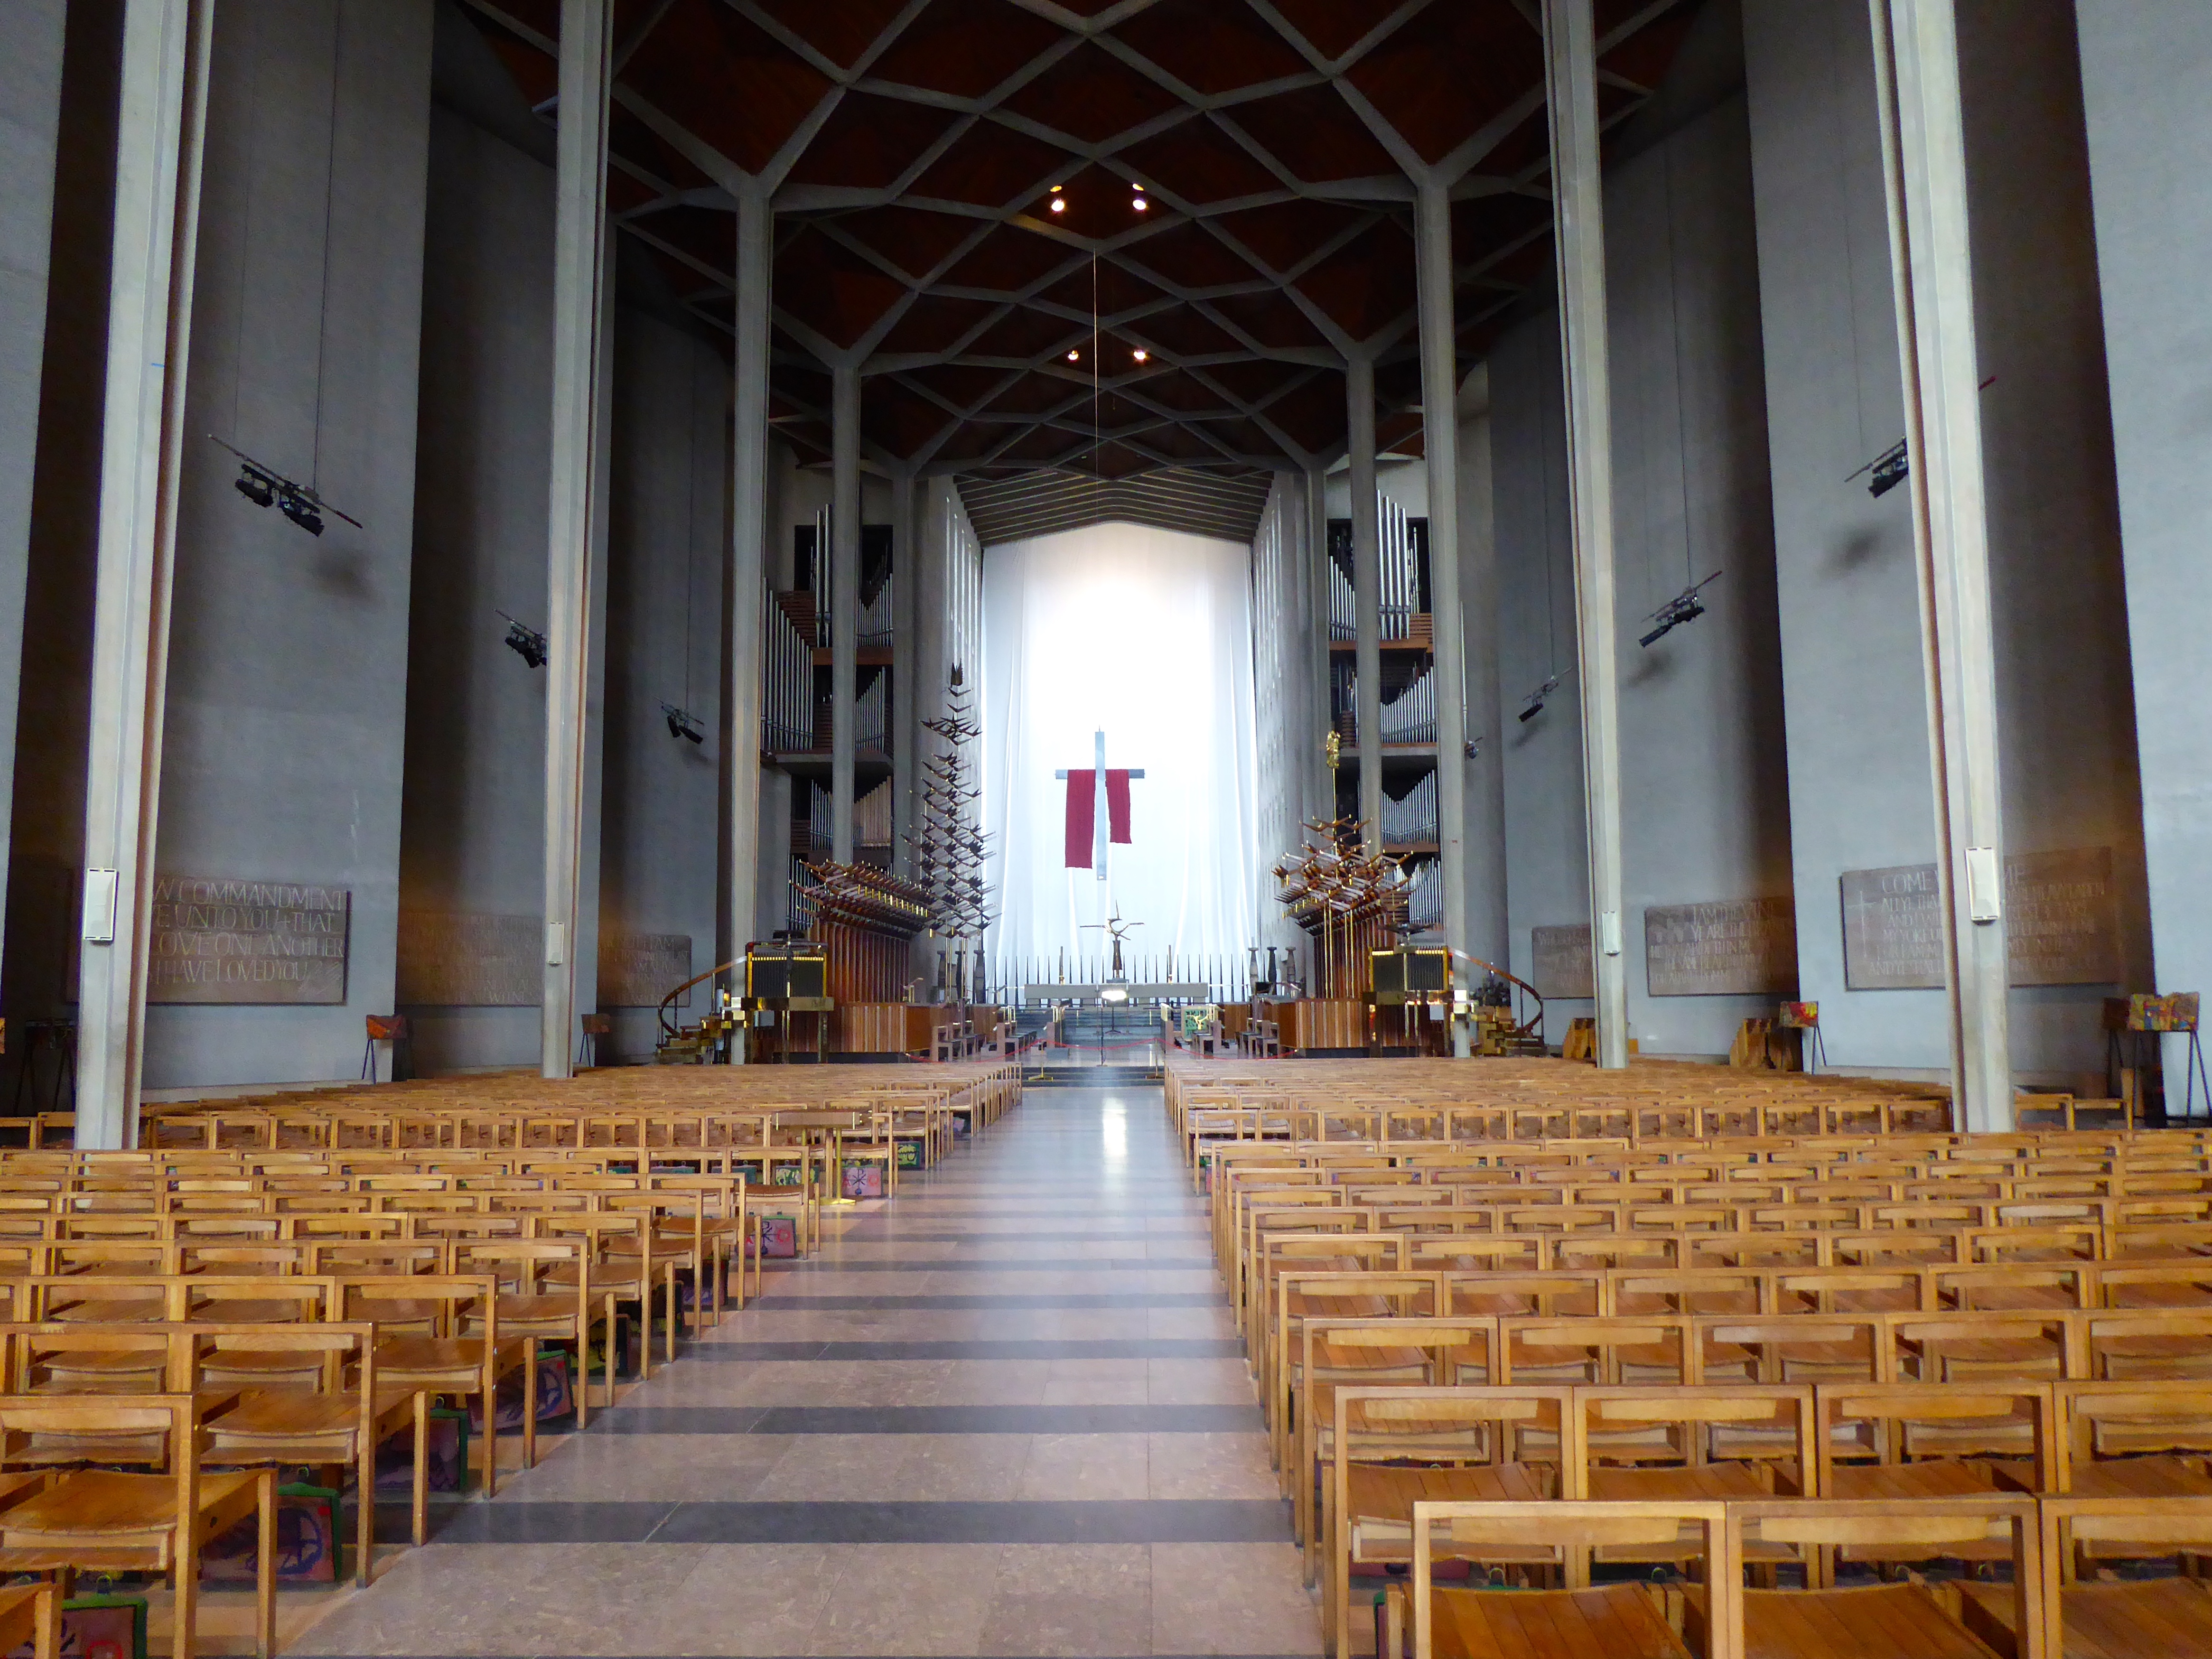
(1728,947)
(637,970)
(1561,961)
(2060,921)
(465,959)
(219,940)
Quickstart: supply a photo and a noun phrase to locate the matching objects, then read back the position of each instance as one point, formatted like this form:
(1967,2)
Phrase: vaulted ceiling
(916,150)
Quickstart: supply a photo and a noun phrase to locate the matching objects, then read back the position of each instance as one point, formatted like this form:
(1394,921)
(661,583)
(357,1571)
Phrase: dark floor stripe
(1133,1520)
(1012,1301)
(1193,1347)
(928,1419)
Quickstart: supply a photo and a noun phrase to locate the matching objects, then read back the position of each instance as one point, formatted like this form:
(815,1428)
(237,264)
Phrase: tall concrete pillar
(578,316)
(748,550)
(844,598)
(1579,227)
(1440,444)
(1924,175)
(1485,796)
(904,703)
(1366,590)
(1315,735)
(157,191)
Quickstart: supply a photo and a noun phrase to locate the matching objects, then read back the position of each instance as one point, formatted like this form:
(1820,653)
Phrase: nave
(1005,1412)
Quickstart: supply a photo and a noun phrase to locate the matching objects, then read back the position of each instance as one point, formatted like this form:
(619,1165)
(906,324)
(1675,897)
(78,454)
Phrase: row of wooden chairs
(2033,1614)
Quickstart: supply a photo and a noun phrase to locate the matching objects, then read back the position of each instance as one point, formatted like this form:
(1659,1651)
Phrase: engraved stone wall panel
(1561,957)
(637,970)
(217,939)
(2061,919)
(463,959)
(1727,947)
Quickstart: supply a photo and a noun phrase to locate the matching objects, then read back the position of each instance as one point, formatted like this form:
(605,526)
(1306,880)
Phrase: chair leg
(265,1566)
(365,1507)
(489,1387)
(583,1373)
(529,1403)
(421,1518)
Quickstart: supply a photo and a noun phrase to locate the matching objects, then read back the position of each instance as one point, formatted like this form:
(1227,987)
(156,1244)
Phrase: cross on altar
(1097,810)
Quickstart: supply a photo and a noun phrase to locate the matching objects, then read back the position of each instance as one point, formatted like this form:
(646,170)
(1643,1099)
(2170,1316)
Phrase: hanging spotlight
(1536,699)
(681,723)
(1073,356)
(1138,201)
(1685,606)
(526,643)
(1140,354)
(1059,203)
(266,487)
(1890,469)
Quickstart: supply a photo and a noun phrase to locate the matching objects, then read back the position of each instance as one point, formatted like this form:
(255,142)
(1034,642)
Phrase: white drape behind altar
(1146,634)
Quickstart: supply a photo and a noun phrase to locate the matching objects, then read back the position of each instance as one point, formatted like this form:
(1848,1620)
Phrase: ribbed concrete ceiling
(914,147)
(1039,503)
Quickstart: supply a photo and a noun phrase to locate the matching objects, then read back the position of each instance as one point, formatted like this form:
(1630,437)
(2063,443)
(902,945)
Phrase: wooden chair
(2167,1617)
(1391,1448)
(420,1318)
(112,1521)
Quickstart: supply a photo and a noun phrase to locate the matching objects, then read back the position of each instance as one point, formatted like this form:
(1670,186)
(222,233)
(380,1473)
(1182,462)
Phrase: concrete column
(1321,781)
(1924,177)
(1367,590)
(1485,795)
(844,598)
(1579,227)
(1440,444)
(574,511)
(748,549)
(1304,722)
(157,191)
(904,703)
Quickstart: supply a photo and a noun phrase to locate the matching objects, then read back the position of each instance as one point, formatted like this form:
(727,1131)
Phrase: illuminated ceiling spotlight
(1058,202)
(1074,356)
(1138,201)
(1140,354)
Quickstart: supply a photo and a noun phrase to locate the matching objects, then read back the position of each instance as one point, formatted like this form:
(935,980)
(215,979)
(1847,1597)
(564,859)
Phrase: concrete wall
(288,652)
(1704,785)
(2144,67)
(1860,794)
(669,527)
(474,812)
(30,116)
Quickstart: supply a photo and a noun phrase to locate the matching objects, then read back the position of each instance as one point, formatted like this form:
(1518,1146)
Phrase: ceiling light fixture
(266,487)
(1140,354)
(1058,202)
(526,643)
(1074,356)
(1685,606)
(681,723)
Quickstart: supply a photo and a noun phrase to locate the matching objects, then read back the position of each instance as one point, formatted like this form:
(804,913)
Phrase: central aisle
(1005,1413)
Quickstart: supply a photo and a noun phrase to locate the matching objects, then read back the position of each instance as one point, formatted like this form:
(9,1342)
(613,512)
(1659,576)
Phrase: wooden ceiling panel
(1366,285)
(965,48)
(1272,320)
(1009,260)
(1255,382)
(841,32)
(1198,162)
(1023,333)
(1183,332)
(707,236)
(1486,223)
(1333,27)
(1449,70)
(991,166)
(914,239)
(1105,285)
(869,141)
(1284,234)
(627,193)
(1170,388)
(1091,96)
(934,324)
(1312,414)
(537,74)
(1042,391)
(1188,258)
(1314,134)
(830,289)
(630,137)
(963,385)
(1211,47)
(899,419)
(1643,56)
(721,77)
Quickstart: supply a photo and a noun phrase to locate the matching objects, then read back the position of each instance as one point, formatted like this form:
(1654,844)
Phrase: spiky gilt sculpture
(950,846)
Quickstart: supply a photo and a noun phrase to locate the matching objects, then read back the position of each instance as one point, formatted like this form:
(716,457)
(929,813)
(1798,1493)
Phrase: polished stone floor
(1003,1413)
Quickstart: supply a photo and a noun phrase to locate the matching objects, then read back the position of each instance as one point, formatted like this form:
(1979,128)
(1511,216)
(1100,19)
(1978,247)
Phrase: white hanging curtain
(1147,635)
